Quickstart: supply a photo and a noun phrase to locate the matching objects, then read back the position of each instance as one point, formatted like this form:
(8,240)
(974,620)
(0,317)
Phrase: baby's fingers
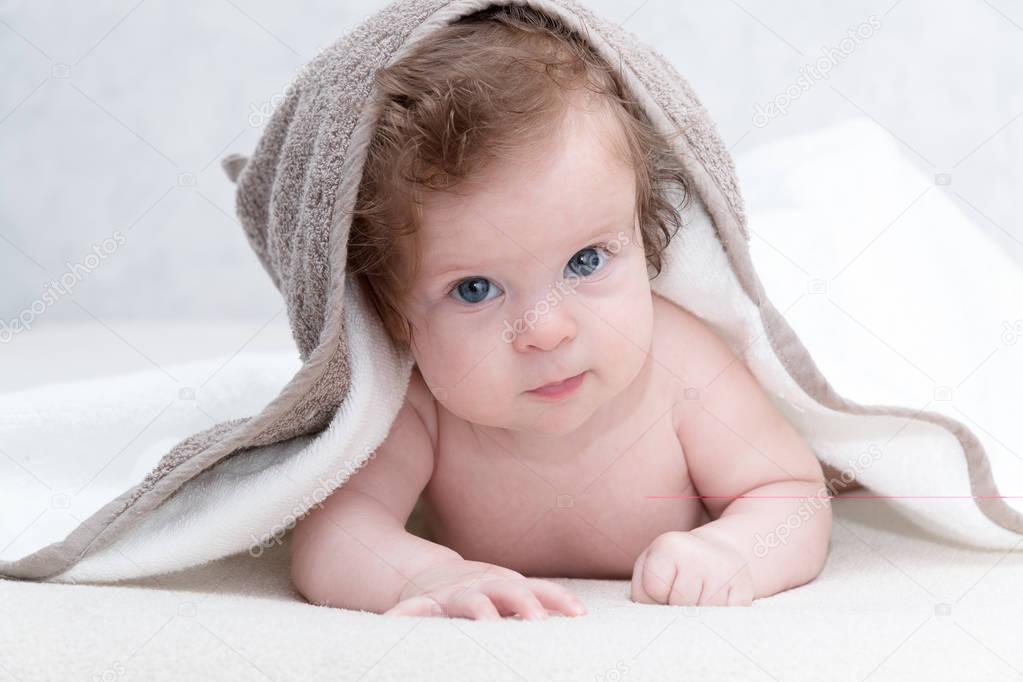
(636,592)
(416,606)
(554,597)
(474,605)
(733,590)
(741,593)
(716,593)
(514,597)
(655,579)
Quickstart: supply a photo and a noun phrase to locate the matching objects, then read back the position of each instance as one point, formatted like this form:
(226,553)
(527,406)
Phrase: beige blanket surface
(891,604)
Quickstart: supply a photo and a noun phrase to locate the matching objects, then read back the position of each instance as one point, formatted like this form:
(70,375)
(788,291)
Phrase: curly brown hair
(469,94)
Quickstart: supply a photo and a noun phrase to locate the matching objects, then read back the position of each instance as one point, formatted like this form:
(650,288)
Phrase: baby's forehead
(474,240)
(537,198)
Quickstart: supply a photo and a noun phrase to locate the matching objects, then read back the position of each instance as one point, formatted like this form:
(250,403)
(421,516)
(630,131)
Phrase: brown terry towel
(294,198)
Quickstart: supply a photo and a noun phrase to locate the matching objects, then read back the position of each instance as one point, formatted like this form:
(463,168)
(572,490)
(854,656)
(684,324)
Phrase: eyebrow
(605,228)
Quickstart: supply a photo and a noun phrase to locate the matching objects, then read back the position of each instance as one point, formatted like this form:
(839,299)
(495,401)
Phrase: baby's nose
(543,327)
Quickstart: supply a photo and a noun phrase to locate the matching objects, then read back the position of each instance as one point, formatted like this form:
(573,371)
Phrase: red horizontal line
(835,497)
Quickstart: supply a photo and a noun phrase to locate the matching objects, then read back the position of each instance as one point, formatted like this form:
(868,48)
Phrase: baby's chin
(556,419)
(527,414)
(549,420)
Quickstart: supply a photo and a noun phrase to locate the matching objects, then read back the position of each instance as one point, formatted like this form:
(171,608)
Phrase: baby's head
(514,205)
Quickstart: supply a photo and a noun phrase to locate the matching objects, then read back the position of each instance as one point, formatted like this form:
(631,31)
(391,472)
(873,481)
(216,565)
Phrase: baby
(561,419)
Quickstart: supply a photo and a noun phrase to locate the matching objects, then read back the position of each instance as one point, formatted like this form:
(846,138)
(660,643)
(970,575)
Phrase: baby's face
(532,274)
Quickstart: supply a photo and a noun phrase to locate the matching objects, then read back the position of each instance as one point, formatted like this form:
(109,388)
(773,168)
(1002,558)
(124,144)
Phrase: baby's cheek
(629,314)
(481,399)
(437,361)
(625,337)
(464,367)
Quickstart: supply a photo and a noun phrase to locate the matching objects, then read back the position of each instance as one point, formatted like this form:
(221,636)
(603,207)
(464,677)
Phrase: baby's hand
(682,569)
(481,591)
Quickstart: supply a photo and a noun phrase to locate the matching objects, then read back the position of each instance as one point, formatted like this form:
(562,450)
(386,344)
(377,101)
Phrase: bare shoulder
(687,347)
(705,376)
(733,434)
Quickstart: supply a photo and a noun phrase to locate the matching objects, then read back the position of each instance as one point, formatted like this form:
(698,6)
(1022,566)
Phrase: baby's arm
(738,448)
(354,552)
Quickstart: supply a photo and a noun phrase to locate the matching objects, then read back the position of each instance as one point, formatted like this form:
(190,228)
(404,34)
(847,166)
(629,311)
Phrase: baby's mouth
(559,389)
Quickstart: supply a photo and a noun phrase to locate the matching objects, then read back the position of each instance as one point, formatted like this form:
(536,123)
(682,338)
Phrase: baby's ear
(233,165)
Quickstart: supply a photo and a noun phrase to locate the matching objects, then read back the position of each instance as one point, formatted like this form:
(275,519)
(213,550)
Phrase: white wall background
(114,115)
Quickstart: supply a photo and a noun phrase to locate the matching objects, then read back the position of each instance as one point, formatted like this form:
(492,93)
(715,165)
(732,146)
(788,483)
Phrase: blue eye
(587,261)
(474,289)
